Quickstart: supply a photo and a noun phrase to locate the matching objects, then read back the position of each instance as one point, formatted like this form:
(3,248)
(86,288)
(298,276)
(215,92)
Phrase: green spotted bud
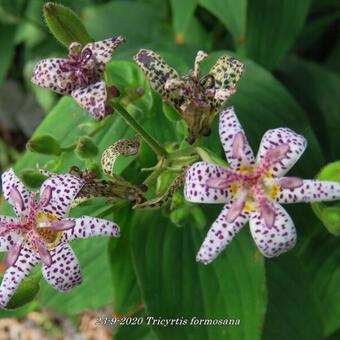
(86,148)
(329,215)
(65,25)
(44,144)
(32,178)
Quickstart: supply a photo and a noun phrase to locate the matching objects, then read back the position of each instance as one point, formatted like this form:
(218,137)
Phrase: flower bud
(86,148)
(44,144)
(32,178)
(329,215)
(65,25)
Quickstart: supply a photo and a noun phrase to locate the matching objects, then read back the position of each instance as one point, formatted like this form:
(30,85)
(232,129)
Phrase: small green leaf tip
(65,24)
(86,148)
(44,144)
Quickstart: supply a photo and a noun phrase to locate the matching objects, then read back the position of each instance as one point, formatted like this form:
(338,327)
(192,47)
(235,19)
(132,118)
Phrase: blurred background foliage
(291,50)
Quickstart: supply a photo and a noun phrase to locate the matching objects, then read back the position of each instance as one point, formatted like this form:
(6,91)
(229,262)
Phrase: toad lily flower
(41,233)
(80,75)
(252,189)
(197,99)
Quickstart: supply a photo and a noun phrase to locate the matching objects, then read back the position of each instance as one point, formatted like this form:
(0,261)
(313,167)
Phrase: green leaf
(272,27)
(182,13)
(232,14)
(316,88)
(65,25)
(321,257)
(7,48)
(11,11)
(126,294)
(291,300)
(175,286)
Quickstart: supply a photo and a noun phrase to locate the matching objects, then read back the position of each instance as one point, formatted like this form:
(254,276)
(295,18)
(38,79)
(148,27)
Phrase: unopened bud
(86,148)
(44,144)
(65,25)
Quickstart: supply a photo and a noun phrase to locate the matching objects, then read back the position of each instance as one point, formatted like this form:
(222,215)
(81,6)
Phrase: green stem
(189,151)
(152,142)
(153,177)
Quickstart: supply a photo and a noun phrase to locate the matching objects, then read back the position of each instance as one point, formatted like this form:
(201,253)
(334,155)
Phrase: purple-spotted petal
(220,235)
(48,73)
(8,239)
(102,50)
(276,240)
(310,191)
(234,141)
(196,189)
(64,272)
(279,140)
(16,273)
(64,189)
(10,181)
(92,98)
(87,226)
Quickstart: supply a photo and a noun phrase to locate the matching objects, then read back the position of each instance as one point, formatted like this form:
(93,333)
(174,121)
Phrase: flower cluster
(253,188)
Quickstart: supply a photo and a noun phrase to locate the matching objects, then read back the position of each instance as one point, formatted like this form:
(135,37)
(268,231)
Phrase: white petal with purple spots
(92,98)
(9,181)
(272,139)
(220,235)
(16,273)
(195,188)
(48,73)
(87,226)
(64,190)
(9,239)
(102,50)
(276,240)
(64,272)
(231,131)
(310,191)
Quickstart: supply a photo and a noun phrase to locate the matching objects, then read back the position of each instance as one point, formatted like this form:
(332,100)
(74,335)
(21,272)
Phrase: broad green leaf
(11,11)
(175,286)
(272,27)
(126,294)
(182,13)
(321,257)
(316,88)
(7,33)
(138,22)
(291,300)
(232,14)
(332,61)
